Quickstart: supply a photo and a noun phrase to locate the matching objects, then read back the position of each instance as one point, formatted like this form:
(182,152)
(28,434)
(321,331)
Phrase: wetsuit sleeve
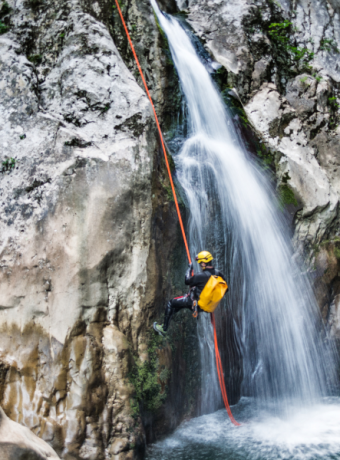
(193,280)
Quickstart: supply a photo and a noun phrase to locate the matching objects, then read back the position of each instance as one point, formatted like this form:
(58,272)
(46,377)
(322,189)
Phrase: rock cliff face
(88,231)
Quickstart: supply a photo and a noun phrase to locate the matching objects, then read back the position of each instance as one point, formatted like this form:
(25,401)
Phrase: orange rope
(220,373)
(159,130)
(217,353)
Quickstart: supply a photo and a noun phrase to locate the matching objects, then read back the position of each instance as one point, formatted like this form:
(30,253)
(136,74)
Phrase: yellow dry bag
(212,294)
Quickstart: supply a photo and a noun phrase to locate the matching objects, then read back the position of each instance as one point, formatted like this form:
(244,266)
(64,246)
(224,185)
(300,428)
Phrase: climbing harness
(217,353)
(195,308)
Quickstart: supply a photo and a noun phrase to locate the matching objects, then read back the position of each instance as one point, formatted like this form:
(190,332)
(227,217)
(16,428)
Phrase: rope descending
(220,373)
(217,353)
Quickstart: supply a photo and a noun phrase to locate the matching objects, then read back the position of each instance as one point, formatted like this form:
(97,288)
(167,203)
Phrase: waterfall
(234,214)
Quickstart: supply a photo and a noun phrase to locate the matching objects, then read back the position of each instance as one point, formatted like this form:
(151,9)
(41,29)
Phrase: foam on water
(309,433)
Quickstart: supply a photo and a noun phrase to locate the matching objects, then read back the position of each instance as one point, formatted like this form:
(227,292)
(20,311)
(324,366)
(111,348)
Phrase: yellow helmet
(204,256)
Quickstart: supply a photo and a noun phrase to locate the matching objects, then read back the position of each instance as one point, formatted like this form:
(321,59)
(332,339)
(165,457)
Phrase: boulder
(17,442)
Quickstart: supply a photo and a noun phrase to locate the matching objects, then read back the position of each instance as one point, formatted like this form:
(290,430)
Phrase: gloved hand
(189,272)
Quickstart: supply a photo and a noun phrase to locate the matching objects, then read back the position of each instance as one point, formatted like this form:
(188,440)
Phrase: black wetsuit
(196,283)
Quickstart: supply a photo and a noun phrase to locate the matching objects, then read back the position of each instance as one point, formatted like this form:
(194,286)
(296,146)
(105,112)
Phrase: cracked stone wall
(87,229)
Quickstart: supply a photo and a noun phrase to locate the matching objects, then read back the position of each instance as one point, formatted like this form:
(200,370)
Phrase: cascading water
(234,214)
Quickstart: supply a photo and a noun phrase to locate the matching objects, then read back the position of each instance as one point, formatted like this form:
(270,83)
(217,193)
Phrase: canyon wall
(90,245)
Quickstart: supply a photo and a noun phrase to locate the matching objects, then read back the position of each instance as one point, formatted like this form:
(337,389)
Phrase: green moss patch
(3,28)
(35,58)
(149,379)
(286,194)
(337,252)
(280,34)
(8,164)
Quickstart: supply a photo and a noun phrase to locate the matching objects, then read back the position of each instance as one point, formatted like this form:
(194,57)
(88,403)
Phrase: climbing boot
(167,317)
(159,329)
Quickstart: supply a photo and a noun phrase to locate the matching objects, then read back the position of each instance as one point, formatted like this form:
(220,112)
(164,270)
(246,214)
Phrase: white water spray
(234,215)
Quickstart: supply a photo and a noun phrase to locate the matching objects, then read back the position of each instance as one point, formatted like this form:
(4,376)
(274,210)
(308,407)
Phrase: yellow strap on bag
(212,294)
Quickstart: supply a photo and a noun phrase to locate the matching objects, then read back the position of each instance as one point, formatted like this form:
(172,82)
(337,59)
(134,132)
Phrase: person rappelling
(206,291)
(214,287)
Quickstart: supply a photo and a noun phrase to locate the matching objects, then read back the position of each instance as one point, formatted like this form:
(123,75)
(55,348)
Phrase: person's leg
(175,305)
(169,310)
(172,307)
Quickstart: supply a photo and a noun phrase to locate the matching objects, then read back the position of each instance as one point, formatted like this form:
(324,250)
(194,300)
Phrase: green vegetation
(169,194)
(244,119)
(280,34)
(279,31)
(161,31)
(327,44)
(336,239)
(149,380)
(164,42)
(286,194)
(171,161)
(23,136)
(3,28)
(4,11)
(8,165)
(35,58)
(105,108)
(337,252)
(330,245)
(333,102)
(266,156)
(221,78)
